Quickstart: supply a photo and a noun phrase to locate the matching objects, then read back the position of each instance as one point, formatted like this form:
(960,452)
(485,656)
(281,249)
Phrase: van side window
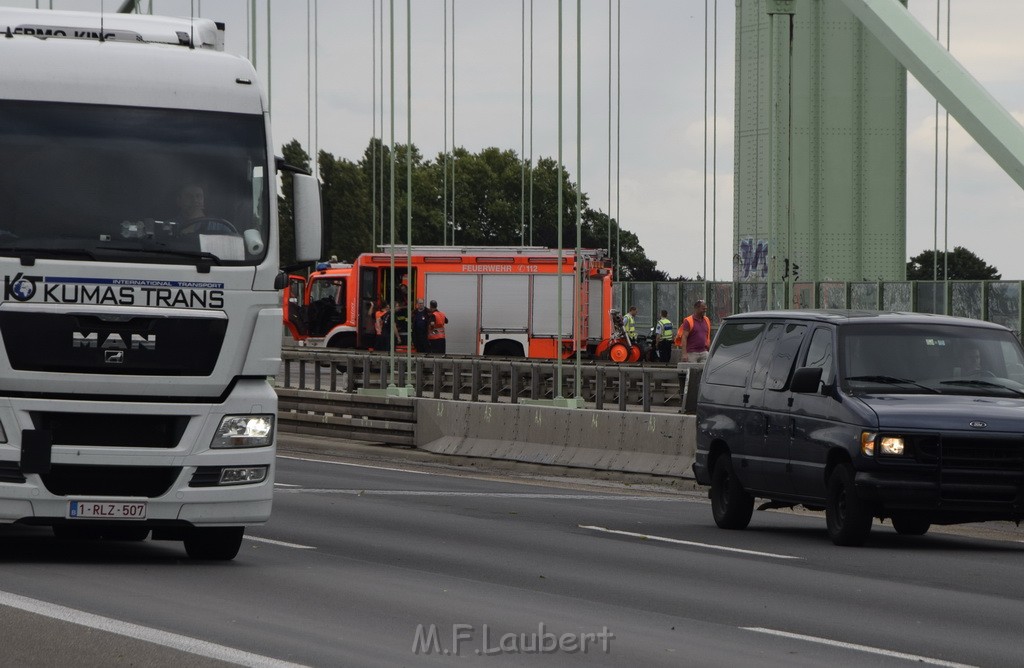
(784,359)
(732,357)
(820,354)
(764,355)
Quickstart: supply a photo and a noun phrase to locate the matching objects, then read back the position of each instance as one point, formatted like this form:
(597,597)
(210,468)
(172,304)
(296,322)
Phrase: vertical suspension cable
(380,163)
(444,168)
(270,94)
(373,133)
(935,185)
(309,82)
(618,139)
(560,332)
(391,201)
(522,124)
(945,206)
(578,274)
(252,30)
(706,11)
(453,123)
(408,194)
(714,148)
(531,122)
(609,226)
(316,87)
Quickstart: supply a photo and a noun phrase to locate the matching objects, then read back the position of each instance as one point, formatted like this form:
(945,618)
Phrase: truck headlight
(244,431)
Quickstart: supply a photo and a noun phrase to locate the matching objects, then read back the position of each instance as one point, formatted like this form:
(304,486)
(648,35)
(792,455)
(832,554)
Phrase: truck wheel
(618,353)
(847,516)
(215,543)
(504,349)
(731,506)
(133,534)
(76,532)
(910,526)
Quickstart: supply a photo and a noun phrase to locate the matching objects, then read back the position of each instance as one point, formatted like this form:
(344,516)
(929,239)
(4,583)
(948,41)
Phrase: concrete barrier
(661,444)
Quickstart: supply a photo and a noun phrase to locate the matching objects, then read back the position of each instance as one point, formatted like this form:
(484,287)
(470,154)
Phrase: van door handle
(746,398)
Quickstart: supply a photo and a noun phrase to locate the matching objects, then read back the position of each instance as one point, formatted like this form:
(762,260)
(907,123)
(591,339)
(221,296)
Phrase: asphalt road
(380,560)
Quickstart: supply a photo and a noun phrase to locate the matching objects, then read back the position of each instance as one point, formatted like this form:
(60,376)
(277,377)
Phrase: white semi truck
(140,315)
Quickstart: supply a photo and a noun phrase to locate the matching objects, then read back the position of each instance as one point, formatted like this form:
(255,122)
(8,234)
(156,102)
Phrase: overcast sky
(658,177)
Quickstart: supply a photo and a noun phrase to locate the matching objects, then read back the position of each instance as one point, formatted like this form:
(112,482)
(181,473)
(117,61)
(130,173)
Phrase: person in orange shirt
(694,334)
(382,327)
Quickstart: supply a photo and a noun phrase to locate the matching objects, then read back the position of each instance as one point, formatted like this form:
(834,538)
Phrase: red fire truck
(499,301)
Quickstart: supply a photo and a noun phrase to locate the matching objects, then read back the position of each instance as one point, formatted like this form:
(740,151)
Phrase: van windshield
(132,184)
(928,359)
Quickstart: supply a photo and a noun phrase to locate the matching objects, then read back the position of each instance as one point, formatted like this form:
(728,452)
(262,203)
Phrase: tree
(963,266)
(488,208)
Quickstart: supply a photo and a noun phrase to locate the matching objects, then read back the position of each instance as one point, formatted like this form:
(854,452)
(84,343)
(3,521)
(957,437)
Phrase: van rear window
(733,354)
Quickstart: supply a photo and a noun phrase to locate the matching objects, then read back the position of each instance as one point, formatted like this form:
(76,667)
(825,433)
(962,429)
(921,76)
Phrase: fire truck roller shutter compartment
(545,305)
(457,295)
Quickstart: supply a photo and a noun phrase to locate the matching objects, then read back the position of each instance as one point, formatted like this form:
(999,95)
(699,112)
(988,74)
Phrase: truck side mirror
(308,220)
(806,380)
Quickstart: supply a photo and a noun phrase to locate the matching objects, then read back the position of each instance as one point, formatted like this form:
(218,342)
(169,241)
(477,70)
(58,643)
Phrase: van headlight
(891,446)
(884,445)
(244,431)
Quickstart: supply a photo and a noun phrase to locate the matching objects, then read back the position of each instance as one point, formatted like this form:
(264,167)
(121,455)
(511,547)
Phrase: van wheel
(847,516)
(214,543)
(910,526)
(731,506)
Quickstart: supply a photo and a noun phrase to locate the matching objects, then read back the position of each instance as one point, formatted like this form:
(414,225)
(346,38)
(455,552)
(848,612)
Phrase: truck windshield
(919,359)
(129,184)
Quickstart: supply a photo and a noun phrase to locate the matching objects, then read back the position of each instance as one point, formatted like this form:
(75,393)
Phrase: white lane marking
(496,495)
(709,546)
(360,466)
(859,648)
(284,484)
(145,633)
(281,543)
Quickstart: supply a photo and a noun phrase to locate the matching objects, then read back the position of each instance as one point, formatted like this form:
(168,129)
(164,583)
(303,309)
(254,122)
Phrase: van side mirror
(806,380)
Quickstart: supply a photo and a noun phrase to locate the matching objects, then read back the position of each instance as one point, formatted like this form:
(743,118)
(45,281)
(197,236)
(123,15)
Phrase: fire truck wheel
(619,353)
(504,349)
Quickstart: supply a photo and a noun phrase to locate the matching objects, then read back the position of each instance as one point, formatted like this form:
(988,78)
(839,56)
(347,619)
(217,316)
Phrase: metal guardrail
(603,386)
(390,420)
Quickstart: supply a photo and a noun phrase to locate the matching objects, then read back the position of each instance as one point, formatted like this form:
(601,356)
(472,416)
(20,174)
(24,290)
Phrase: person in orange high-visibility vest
(694,335)
(436,336)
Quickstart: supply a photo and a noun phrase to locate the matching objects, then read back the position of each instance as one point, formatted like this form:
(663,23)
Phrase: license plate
(106,510)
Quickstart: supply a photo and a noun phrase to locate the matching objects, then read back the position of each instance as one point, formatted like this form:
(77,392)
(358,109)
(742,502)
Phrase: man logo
(20,288)
(113,356)
(113,341)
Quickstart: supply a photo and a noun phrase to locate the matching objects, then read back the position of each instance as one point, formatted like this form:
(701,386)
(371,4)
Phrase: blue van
(912,417)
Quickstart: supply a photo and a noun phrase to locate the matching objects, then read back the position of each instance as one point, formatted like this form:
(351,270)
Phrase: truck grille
(145,481)
(116,430)
(982,470)
(11,472)
(74,343)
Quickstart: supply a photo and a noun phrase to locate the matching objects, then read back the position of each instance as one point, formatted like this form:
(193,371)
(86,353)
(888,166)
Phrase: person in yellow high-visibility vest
(629,324)
(664,334)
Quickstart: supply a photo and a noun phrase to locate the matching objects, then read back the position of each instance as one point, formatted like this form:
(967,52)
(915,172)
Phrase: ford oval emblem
(978,424)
